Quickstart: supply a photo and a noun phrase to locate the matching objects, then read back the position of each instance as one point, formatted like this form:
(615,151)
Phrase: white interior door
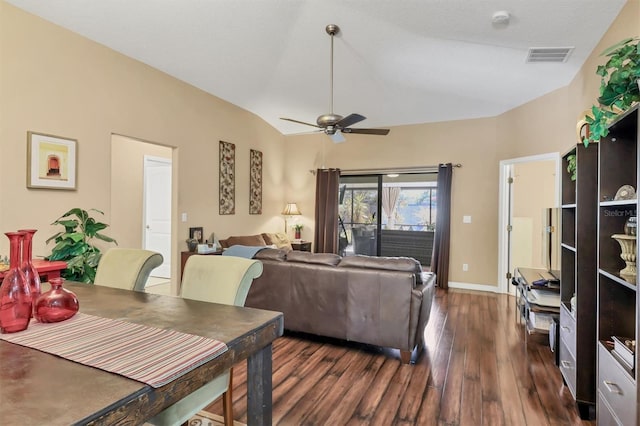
(157,211)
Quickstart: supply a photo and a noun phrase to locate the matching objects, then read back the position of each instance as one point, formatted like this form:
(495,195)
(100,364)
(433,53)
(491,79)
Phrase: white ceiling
(396,61)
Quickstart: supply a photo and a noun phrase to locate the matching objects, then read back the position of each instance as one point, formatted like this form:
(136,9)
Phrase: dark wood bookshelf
(577,361)
(617,313)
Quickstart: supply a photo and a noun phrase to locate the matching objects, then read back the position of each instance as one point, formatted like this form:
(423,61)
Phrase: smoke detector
(501,18)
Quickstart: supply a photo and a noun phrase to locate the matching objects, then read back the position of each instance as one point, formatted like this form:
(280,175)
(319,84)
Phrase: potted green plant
(297,228)
(619,88)
(73,245)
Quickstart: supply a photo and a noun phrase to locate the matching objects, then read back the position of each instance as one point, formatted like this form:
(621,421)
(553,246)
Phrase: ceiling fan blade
(337,137)
(382,132)
(300,122)
(350,120)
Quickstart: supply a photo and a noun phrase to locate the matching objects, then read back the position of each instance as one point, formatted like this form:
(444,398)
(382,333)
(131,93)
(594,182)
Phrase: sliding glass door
(388,215)
(359,214)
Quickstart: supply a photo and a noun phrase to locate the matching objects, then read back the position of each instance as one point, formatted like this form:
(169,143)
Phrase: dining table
(41,388)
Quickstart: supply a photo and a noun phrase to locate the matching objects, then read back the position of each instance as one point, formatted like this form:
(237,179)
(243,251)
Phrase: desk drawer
(616,387)
(568,329)
(604,415)
(567,366)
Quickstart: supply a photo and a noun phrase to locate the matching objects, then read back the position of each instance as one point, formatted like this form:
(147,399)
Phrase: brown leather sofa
(378,301)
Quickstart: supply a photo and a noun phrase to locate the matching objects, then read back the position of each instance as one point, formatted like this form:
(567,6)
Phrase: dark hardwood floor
(475,370)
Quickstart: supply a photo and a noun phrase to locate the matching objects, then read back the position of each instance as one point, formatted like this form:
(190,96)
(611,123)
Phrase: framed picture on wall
(255,182)
(227,160)
(51,161)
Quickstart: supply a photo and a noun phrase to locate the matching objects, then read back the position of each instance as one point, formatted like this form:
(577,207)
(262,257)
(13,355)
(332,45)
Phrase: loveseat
(378,301)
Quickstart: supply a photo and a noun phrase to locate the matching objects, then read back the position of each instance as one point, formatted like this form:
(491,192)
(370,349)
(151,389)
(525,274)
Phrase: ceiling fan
(334,125)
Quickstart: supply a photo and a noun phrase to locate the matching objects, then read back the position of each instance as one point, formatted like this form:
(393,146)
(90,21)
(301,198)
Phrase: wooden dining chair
(217,279)
(126,268)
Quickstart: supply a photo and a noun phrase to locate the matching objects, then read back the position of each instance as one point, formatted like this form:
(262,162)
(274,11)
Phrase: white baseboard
(477,287)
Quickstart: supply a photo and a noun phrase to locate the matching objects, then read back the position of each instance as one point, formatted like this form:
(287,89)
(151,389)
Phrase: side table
(301,245)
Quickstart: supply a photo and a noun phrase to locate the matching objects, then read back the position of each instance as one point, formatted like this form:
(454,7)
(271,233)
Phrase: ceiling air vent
(548,54)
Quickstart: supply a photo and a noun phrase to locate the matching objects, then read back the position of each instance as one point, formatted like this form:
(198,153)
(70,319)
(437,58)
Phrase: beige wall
(473,143)
(53,81)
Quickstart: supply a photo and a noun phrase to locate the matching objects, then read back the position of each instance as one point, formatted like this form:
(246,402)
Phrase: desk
(38,388)
(46,269)
(532,301)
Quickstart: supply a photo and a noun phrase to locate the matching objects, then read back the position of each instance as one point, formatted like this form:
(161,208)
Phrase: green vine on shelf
(572,167)
(619,87)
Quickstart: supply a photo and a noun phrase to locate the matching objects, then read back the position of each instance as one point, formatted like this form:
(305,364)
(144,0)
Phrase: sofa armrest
(421,302)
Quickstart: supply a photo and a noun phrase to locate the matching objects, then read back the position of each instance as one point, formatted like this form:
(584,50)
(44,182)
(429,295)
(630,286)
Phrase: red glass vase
(15,295)
(30,272)
(297,234)
(57,304)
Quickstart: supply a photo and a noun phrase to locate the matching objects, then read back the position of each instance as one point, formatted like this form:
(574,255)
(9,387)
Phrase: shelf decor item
(619,88)
(625,192)
(30,273)
(628,247)
(15,295)
(631,226)
(57,304)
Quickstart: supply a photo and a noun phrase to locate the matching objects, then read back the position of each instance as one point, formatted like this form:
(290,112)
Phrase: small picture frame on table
(197,234)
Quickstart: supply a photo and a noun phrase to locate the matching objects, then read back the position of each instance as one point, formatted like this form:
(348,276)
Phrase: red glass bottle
(57,304)
(15,295)
(30,272)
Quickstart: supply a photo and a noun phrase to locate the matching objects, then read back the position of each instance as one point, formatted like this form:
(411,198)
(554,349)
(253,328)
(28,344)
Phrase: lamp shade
(291,209)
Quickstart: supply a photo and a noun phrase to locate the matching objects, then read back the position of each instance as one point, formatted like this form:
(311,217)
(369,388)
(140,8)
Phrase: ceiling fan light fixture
(334,125)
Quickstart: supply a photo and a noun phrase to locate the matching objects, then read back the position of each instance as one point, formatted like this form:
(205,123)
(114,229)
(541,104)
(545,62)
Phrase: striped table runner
(150,355)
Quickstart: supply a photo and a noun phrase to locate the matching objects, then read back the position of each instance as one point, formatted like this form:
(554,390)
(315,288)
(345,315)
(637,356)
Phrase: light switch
(466,219)
(183,217)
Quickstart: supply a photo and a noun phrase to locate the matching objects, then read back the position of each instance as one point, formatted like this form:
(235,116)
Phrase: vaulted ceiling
(396,62)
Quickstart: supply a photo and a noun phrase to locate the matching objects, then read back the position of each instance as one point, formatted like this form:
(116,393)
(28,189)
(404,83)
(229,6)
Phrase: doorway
(128,192)
(528,186)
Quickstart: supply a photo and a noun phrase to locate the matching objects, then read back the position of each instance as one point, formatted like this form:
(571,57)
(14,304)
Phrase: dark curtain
(326,237)
(442,237)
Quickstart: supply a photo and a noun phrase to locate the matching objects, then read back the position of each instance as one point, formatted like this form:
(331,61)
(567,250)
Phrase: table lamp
(291,209)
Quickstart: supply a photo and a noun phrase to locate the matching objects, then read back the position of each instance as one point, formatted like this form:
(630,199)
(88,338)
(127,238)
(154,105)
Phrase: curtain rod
(384,171)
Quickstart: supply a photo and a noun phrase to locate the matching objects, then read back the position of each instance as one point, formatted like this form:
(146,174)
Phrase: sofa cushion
(271,254)
(315,258)
(280,240)
(408,264)
(246,240)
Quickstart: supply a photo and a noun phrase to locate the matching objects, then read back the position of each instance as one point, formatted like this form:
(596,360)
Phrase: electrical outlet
(465,267)
(183,217)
